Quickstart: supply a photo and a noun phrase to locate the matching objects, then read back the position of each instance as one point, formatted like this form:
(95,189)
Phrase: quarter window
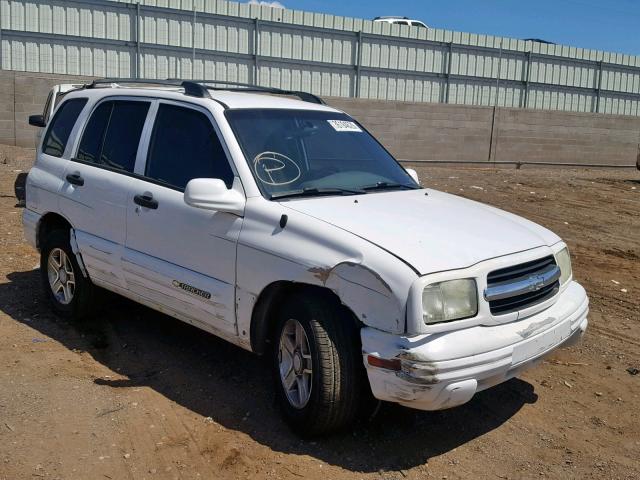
(47,106)
(112,134)
(184,145)
(63,121)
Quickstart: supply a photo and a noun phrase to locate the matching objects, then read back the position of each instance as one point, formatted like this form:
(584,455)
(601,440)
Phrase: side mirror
(413,174)
(37,121)
(213,194)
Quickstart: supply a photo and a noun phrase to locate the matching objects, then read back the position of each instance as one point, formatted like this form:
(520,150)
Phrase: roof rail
(191,88)
(390,17)
(200,88)
(248,87)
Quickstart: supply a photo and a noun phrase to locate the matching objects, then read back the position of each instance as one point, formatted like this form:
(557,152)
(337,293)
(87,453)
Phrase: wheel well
(49,223)
(263,316)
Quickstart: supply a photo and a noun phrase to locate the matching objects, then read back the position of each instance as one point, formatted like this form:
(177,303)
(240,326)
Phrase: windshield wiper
(390,186)
(314,192)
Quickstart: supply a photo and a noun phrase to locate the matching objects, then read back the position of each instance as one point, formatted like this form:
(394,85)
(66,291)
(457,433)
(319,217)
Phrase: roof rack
(200,88)
(193,89)
(248,87)
(391,17)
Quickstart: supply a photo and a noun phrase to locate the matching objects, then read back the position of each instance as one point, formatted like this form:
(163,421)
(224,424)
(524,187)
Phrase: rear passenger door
(46,178)
(179,258)
(98,181)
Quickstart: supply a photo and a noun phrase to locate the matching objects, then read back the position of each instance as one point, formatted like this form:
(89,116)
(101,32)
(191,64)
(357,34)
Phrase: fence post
(358,91)
(492,136)
(137,40)
(1,37)
(193,44)
(527,79)
(448,72)
(498,75)
(599,88)
(256,40)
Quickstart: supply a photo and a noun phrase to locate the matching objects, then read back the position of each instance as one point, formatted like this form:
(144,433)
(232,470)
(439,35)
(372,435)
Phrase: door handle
(146,200)
(75,179)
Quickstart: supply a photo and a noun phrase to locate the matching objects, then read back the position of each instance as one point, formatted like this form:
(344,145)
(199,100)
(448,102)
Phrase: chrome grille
(520,286)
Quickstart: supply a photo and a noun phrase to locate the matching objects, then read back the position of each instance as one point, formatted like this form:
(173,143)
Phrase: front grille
(520,286)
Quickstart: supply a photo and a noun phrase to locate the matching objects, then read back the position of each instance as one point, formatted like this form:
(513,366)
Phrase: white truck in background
(401,21)
(56,94)
(54,98)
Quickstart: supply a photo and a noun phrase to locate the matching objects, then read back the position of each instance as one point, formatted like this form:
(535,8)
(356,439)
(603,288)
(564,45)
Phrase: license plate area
(540,343)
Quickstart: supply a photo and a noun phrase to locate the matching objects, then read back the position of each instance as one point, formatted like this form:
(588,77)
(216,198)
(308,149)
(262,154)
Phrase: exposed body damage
(368,280)
(441,370)
(536,327)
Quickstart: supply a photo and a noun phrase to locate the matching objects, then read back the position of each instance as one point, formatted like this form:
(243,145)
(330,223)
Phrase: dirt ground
(137,395)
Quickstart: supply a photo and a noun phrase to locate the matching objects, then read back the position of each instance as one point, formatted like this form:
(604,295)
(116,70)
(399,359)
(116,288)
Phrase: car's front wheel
(70,293)
(318,373)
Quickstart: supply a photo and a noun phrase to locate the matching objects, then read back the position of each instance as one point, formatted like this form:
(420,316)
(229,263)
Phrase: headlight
(450,300)
(564,262)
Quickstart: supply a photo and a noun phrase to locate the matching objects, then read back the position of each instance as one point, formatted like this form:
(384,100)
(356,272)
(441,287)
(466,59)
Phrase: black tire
(338,381)
(84,292)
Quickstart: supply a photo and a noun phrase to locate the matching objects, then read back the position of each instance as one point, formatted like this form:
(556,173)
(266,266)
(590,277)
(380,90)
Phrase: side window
(112,134)
(63,121)
(184,145)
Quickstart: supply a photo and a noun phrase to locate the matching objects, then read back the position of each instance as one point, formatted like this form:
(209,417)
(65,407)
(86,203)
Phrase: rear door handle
(75,179)
(146,200)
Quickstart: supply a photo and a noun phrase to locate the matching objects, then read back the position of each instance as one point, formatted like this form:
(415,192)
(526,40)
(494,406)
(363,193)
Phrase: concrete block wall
(23,94)
(424,131)
(535,135)
(454,133)
(7,111)
(411,131)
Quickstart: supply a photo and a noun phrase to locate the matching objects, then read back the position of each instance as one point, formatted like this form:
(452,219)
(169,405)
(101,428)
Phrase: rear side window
(63,121)
(112,134)
(184,145)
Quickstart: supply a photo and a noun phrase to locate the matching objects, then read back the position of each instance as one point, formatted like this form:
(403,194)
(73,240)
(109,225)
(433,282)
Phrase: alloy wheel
(294,359)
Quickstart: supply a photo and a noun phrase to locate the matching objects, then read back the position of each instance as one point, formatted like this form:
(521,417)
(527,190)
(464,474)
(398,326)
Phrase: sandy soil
(136,395)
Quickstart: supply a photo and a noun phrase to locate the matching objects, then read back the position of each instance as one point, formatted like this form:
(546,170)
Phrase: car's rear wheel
(70,293)
(318,373)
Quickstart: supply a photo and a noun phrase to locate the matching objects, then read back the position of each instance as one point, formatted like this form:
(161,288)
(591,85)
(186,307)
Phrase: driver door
(181,259)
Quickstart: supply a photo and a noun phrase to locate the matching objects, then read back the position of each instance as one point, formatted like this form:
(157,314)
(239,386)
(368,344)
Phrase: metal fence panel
(325,54)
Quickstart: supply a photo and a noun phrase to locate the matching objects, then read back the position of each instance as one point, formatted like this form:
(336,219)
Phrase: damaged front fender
(371,282)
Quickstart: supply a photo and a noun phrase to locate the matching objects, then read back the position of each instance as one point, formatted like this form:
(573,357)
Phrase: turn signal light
(389,364)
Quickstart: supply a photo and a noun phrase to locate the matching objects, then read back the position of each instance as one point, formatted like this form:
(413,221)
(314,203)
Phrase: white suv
(284,227)
(401,21)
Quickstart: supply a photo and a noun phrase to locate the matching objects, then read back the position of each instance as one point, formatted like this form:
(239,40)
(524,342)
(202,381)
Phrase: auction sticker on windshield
(344,126)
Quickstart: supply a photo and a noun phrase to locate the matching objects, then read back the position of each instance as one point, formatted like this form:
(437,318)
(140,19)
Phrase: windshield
(311,153)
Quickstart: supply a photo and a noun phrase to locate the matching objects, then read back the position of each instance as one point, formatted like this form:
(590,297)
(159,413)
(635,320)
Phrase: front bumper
(443,370)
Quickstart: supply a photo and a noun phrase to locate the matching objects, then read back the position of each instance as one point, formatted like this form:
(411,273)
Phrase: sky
(612,25)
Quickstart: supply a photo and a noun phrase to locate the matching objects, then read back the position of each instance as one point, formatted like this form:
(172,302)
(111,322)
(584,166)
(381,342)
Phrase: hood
(430,230)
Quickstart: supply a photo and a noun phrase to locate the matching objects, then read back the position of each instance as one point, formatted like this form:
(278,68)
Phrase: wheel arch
(49,222)
(268,301)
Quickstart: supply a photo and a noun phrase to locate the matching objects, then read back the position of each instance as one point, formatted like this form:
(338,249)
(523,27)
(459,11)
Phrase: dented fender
(371,282)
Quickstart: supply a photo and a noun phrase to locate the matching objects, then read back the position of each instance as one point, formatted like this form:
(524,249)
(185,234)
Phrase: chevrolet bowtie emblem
(537,282)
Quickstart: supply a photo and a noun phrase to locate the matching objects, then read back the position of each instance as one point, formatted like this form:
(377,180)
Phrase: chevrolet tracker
(281,225)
